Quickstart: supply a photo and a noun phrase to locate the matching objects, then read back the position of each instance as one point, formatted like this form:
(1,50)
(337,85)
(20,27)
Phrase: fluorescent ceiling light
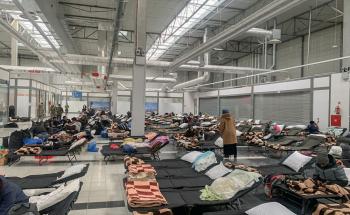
(32,31)
(192,14)
(218,49)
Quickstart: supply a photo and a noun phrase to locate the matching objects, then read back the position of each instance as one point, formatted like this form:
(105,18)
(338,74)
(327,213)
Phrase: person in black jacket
(10,194)
(327,170)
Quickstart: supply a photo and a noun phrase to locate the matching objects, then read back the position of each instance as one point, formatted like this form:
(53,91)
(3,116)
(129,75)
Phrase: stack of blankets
(142,189)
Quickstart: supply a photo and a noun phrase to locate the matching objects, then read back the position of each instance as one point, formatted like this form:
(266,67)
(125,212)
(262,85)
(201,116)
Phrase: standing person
(59,111)
(41,111)
(66,109)
(227,130)
(52,111)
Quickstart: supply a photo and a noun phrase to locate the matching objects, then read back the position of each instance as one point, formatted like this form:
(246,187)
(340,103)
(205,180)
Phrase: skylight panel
(192,14)
(32,31)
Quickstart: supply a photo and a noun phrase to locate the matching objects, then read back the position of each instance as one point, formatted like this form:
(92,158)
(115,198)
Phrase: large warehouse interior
(173,107)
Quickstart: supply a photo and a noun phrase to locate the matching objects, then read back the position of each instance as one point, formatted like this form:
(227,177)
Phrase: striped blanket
(139,168)
(141,194)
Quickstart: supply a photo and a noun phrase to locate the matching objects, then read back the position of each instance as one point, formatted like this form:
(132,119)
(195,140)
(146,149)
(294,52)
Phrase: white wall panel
(288,54)
(321,82)
(235,91)
(23,102)
(321,108)
(340,93)
(321,48)
(283,86)
(123,104)
(168,105)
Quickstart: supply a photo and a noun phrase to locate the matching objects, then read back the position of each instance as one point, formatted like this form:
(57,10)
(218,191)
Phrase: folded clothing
(158,141)
(227,187)
(142,194)
(132,160)
(137,168)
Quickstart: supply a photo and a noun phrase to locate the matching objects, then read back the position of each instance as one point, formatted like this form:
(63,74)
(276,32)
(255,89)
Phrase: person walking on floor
(66,109)
(59,111)
(227,130)
(52,111)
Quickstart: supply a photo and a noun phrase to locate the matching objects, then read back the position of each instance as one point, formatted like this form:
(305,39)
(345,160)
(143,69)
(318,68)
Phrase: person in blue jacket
(10,194)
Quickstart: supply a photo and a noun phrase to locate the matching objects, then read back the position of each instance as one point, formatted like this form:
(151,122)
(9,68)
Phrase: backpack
(16,139)
(24,209)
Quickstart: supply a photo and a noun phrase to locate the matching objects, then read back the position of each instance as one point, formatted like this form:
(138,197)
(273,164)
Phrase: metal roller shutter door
(289,108)
(209,106)
(240,106)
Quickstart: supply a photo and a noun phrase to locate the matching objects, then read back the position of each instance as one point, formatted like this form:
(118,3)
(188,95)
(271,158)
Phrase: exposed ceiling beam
(86,5)
(57,23)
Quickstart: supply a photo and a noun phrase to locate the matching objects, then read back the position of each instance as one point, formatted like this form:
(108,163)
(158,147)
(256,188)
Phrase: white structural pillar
(346,63)
(346,33)
(14,46)
(114,99)
(139,73)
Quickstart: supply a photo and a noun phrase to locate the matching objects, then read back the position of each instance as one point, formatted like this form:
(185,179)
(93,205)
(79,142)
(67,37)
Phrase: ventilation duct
(148,79)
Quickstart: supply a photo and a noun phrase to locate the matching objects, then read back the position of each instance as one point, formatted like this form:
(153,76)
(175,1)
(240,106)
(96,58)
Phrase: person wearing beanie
(227,131)
(327,170)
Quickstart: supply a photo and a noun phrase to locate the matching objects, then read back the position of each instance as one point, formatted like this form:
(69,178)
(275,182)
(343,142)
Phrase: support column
(344,94)
(14,46)
(139,72)
(102,50)
(114,99)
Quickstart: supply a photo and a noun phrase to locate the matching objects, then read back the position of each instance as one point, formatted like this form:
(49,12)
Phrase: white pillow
(56,196)
(238,133)
(297,126)
(191,156)
(77,143)
(296,161)
(257,121)
(319,135)
(205,124)
(219,142)
(271,208)
(218,171)
(73,170)
(336,151)
(184,125)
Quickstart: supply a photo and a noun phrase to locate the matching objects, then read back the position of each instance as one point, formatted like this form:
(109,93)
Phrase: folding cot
(190,199)
(46,180)
(107,152)
(43,156)
(64,206)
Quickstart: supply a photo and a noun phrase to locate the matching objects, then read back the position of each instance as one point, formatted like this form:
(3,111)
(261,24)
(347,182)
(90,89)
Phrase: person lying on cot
(10,194)
(328,171)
